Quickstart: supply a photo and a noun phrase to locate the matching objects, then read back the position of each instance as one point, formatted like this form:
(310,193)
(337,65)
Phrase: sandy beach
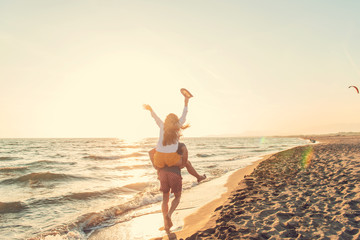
(308,192)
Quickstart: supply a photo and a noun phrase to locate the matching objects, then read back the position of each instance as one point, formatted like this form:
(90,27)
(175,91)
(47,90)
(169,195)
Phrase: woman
(169,152)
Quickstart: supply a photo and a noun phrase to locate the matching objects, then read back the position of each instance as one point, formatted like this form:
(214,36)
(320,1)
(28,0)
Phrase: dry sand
(203,217)
(308,192)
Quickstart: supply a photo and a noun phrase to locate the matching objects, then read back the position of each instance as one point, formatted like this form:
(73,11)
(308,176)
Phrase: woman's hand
(147,107)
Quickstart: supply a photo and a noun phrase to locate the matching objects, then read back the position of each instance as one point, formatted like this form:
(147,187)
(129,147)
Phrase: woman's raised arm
(158,121)
(182,119)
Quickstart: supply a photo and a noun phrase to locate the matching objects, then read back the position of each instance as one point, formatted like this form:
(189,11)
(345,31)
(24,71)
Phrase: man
(170,179)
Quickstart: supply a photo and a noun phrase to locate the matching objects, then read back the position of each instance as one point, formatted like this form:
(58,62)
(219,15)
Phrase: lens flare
(306,157)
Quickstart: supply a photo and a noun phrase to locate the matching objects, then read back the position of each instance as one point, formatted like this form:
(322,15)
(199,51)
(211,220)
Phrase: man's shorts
(170,181)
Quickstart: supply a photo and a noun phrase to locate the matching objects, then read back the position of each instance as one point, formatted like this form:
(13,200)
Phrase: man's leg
(175,202)
(165,209)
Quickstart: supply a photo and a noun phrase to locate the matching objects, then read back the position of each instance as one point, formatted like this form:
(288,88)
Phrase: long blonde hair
(172,129)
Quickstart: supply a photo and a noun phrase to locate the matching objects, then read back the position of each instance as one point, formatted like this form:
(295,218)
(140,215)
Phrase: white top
(168,148)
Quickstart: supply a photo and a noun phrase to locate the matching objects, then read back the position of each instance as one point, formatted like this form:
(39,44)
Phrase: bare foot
(167,224)
(172,236)
(201,178)
(168,219)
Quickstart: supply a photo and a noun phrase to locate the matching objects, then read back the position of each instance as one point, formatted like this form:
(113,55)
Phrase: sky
(84,68)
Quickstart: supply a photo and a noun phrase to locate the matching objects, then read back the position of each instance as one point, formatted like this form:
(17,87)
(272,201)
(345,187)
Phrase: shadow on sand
(169,236)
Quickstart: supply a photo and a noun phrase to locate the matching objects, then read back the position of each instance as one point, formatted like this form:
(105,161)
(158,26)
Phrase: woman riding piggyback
(170,132)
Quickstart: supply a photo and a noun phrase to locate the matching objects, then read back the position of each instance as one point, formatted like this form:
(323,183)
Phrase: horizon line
(204,136)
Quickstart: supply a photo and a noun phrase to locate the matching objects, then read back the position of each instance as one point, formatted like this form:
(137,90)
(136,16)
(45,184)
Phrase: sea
(72,187)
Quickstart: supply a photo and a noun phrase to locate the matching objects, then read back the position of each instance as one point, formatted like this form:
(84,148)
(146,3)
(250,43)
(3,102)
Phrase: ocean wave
(46,201)
(94,194)
(83,195)
(37,147)
(237,158)
(137,186)
(42,163)
(116,157)
(79,196)
(212,166)
(142,166)
(58,155)
(129,146)
(90,221)
(13,169)
(203,155)
(86,195)
(8,158)
(243,147)
(260,150)
(76,196)
(39,177)
(95,157)
(11,207)
(93,220)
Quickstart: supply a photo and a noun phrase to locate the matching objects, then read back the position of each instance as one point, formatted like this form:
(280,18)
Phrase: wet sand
(308,192)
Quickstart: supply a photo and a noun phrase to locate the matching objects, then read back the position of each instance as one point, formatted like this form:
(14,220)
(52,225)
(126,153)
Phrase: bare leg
(175,202)
(165,210)
(151,155)
(193,172)
(186,163)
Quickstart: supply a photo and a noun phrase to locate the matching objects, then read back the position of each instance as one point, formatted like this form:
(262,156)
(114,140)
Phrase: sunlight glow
(88,74)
